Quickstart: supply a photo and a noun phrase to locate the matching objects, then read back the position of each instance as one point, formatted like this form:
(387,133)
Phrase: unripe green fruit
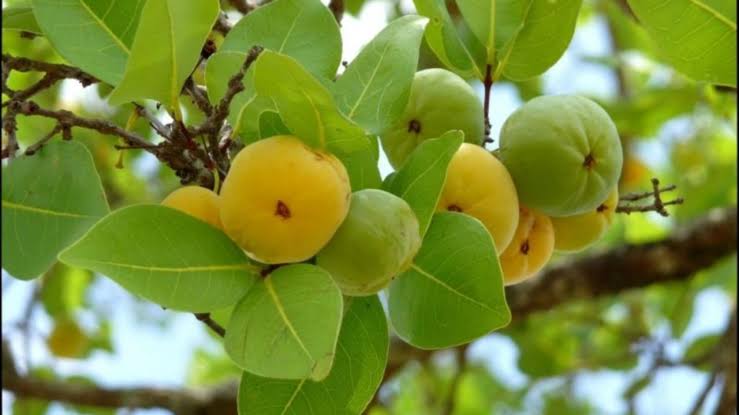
(439,101)
(575,233)
(67,340)
(377,241)
(563,153)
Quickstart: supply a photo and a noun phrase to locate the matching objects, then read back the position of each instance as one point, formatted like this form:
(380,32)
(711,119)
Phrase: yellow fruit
(635,173)
(283,201)
(575,233)
(198,202)
(531,248)
(479,185)
(67,340)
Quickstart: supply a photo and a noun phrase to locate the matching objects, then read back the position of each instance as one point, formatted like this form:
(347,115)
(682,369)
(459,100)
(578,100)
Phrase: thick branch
(631,266)
(217,401)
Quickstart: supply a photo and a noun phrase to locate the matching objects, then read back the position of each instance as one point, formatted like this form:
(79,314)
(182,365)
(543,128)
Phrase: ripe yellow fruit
(575,233)
(67,340)
(635,173)
(479,185)
(283,201)
(531,248)
(198,202)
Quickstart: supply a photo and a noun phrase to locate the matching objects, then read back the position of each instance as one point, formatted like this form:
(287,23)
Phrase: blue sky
(153,356)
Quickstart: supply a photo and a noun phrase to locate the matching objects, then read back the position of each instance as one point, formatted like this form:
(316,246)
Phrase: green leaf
(167,257)
(530,36)
(95,35)
(270,124)
(453,291)
(361,355)
(29,406)
(421,178)
(522,39)
(308,110)
(166,48)
(374,89)
(697,37)
(455,46)
(20,19)
(63,289)
(701,346)
(48,201)
(287,325)
(302,29)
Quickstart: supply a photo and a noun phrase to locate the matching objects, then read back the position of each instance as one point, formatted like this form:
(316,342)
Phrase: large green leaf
(167,257)
(453,291)
(48,201)
(374,89)
(303,29)
(697,37)
(361,355)
(166,48)
(95,35)
(421,178)
(530,36)
(21,19)
(454,44)
(287,326)
(309,111)
(522,38)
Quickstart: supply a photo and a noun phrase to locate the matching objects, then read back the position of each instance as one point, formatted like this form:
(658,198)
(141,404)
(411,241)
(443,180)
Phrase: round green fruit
(377,241)
(563,152)
(439,101)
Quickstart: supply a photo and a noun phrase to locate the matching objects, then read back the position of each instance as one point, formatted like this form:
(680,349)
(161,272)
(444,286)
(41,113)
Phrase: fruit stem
(488,84)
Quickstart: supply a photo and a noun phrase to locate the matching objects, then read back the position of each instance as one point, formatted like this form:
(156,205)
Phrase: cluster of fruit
(553,184)
(554,187)
(284,202)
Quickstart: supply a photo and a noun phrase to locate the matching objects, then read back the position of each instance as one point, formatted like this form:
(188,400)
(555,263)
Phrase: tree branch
(337,8)
(59,71)
(212,324)
(488,84)
(217,401)
(657,205)
(677,257)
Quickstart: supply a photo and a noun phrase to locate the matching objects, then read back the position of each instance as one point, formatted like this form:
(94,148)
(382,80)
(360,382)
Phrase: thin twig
(62,71)
(32,149)
(68,118)
(154,123)
(25,323)
(9,126)
(222,25)
(198,96)
(703,394)
(337,8)
(217,328)
(488,84)
(657,205)
(242,6)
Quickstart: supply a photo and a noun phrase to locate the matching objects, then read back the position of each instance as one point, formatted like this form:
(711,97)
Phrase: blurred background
(640,352)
